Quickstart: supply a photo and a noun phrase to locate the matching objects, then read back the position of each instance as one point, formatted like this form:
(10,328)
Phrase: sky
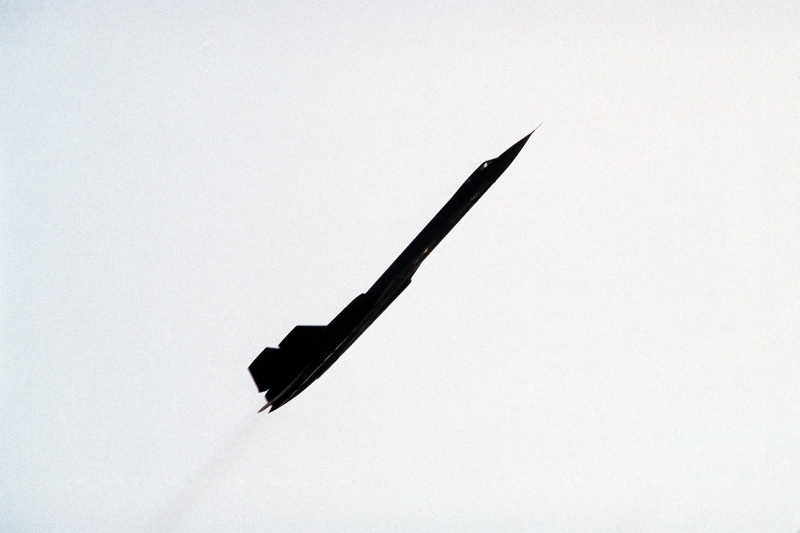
(607,342)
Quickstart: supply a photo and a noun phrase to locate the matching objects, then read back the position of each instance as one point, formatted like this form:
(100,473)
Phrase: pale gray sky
(608,342)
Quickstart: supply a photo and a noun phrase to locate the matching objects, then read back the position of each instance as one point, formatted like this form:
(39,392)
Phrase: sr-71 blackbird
(308,351)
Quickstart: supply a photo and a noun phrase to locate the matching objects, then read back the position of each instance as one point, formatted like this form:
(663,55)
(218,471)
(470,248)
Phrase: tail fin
(271,364)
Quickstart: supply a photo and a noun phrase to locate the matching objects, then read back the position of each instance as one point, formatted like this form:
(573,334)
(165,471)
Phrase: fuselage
(292,377)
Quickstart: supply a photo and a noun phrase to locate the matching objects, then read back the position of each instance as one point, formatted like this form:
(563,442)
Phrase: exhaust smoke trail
(197,487)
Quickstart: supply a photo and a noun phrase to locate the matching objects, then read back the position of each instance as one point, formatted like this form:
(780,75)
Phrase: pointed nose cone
(502,162)
(509,155)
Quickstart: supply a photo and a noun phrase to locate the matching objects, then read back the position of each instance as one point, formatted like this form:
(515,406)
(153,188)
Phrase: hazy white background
(608,342)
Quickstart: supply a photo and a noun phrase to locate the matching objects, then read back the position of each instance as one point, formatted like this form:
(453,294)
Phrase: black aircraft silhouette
(308,351)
